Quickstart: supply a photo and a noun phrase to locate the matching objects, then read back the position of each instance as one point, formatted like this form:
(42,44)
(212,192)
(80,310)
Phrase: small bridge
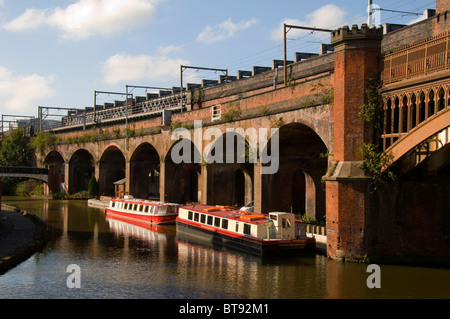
(24,172)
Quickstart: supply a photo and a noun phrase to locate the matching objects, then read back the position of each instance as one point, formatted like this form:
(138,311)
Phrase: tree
(14,151)
(93,187)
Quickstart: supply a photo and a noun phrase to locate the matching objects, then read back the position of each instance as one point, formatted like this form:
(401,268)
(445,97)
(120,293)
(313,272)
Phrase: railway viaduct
(311,119)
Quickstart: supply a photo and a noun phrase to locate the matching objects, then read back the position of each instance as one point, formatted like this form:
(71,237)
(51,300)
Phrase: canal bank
(21,235)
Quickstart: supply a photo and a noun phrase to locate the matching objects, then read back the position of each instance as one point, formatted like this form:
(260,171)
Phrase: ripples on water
(119,260)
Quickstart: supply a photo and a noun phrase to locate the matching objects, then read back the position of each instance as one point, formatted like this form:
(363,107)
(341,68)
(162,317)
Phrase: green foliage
(312,221)
(371,111)
(14,150)
(44,140)
(264,111)
(232,114)
(376,163)
(324,93)
(277,123)
(93,187)
(174,125)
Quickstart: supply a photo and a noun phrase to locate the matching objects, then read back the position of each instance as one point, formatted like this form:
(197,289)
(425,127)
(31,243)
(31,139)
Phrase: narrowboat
(142,211)
(276,233)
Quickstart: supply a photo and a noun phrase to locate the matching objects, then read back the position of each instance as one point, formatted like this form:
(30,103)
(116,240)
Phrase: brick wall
(442,5)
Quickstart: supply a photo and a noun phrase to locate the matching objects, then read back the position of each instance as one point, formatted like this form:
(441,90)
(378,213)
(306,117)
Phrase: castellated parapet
(346,38)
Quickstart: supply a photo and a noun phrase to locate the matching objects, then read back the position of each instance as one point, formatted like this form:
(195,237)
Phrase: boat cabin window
(285,223)
(210,220)
(126,206)
(190,215)
(247,228)
(273,217)
(225,223)
(171,209)
(203,218)
(237,226)
(196,215)
(141,208)
(152,209)
(146,208)
(112,204)
(217,221)
(162,210)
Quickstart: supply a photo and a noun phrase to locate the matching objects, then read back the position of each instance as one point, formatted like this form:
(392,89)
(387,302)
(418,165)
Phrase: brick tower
(357,52)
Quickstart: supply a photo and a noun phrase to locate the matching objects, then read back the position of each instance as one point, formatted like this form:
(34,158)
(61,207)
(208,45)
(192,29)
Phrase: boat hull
(216,239)
(141,218)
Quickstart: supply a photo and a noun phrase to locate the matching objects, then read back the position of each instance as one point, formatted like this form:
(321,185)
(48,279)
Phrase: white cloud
(326,17)
(86,18)
(19,93)
(224,30)
(125,67)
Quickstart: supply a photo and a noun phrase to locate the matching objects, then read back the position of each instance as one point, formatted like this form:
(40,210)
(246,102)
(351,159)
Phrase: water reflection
(122,260)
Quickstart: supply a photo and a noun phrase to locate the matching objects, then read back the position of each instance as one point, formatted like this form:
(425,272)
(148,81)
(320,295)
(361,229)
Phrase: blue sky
(57,53)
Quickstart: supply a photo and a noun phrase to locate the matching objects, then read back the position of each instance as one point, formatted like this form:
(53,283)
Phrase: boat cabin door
(284,224)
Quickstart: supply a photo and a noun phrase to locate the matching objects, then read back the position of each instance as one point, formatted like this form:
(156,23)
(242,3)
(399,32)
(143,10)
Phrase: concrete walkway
(21,234)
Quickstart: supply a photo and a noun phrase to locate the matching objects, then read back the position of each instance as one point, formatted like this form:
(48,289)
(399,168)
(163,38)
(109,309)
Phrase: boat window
(190,215)
(203,218)
(152,209)
(141,208)
(171,209)
(126,206)
(162,210)
(112,204)
(210,220)
(196,217)
(237,226)
(225,223)
(247,228)
(217,221)
(146,208)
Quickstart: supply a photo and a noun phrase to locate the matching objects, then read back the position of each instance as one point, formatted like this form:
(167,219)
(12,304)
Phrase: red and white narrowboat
(142,211)
(260,234)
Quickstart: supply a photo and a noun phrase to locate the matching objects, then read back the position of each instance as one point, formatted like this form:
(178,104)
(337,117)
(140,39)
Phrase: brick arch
(54,162)
(81,167)
(111,166)
(296,186)
(145,170)
(182,175)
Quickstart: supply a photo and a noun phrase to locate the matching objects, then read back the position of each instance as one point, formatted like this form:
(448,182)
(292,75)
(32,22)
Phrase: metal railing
(143,108)
(426,56)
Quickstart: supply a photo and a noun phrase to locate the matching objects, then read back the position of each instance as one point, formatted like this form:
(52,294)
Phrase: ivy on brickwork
(372,110)
(324,93)
(44,140)
(375,161)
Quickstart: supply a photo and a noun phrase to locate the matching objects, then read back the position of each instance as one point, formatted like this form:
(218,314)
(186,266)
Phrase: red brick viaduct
(319,170)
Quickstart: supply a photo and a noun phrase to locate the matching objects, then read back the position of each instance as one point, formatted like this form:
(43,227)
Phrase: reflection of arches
(54,162)
(144,172)
(111,170)
(296,186)
(81,167)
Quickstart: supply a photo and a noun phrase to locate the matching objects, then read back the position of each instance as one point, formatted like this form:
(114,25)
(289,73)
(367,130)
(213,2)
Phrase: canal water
(119,260)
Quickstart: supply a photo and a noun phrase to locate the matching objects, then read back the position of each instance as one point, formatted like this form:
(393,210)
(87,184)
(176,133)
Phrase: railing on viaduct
(416,97)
